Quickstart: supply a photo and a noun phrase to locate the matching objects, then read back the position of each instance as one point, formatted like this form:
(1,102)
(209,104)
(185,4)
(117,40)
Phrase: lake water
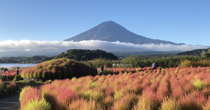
(9,65)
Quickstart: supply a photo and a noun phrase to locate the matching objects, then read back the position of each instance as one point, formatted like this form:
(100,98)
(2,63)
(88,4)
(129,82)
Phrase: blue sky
(179,21)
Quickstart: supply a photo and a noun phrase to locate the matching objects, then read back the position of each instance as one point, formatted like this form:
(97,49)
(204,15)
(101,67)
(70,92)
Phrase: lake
(9,65)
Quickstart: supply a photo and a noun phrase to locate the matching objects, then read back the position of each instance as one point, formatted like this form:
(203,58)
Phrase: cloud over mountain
(51,48)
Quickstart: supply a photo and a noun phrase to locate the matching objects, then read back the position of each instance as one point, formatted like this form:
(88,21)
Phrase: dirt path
(10,102)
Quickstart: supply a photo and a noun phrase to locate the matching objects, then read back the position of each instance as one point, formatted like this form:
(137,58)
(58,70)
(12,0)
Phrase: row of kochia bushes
(10,74)
(159,89)
(58,69)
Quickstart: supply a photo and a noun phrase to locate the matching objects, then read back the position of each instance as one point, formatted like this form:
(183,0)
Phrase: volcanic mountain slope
(112,32)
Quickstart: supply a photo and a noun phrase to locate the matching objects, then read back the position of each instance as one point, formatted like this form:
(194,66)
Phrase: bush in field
(64,98)
(82,104)
(198,84)
(126,103)
(187,102)
(170,104)
(23,92)
(148,100)
(29,95)
(58,69)
(37,105)
(107,102)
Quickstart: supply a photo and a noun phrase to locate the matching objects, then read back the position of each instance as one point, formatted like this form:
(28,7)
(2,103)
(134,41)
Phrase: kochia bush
(38,105)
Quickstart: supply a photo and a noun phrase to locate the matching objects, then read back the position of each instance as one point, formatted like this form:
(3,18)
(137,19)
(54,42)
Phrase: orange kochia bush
(58,69)
(143,90)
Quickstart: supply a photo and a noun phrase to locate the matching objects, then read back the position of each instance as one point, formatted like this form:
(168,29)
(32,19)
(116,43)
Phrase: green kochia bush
(198,84)
(38,105)
(58,69)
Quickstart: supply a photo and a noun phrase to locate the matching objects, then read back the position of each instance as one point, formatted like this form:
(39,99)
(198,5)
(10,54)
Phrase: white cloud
(29,48)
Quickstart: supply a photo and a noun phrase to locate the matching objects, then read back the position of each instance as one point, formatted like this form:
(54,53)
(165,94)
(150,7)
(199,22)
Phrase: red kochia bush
(58,69)
(64,98)
(109,91)
(29,95)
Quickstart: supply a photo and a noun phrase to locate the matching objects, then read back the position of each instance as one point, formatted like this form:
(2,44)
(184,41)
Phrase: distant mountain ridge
(112,32)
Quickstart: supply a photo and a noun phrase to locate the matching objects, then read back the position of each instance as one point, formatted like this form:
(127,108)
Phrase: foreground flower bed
(166,89)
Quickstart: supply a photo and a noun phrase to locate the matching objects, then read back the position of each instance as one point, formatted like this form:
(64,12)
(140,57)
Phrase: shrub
(29,95)
(187,102)
(177,92)
(118,95)
(64,98)
(126,103)
(108,102)
(198,84)
(148,100)
(109,91)
(97,96)
(170,104)
(82,104)
(86,94)
(22,92)
(37,105)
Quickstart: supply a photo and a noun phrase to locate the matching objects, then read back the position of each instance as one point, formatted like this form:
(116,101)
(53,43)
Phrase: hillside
(112,32)
(84,55)
(193,52)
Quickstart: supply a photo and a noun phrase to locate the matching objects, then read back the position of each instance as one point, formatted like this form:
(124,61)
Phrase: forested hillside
(84,55)
(193,52)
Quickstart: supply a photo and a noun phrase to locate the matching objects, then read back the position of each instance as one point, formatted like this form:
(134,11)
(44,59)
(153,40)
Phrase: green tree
(203,53)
